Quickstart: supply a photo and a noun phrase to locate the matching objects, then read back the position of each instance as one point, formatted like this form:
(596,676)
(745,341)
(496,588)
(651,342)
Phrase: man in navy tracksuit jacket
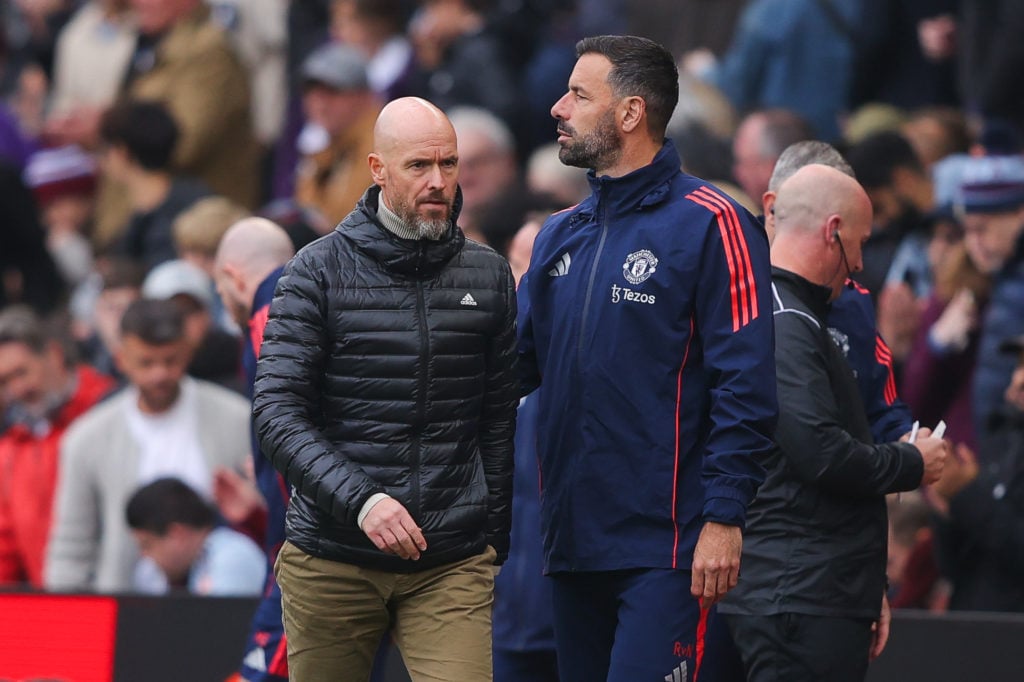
(646,313)
(851,317)
(250,259)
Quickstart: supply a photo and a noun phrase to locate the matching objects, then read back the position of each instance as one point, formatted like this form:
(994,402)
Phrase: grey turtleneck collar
(393,223)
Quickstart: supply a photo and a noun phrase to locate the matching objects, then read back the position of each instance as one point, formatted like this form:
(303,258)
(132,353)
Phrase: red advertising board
(57,638)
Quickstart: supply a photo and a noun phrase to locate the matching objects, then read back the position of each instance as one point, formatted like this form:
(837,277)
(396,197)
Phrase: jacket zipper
(590,289)
(421,400)
(583,327)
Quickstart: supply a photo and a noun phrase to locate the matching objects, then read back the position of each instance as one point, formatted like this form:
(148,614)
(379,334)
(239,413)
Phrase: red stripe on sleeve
(884,357)
(737,255)
(733,277)
(743,288)
(740,242)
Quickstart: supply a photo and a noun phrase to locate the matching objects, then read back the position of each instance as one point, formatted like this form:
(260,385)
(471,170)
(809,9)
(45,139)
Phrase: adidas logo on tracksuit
(562,266)
(678,675)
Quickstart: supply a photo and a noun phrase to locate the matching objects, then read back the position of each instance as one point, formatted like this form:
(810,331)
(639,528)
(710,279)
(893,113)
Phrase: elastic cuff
(368,505)
(725,510)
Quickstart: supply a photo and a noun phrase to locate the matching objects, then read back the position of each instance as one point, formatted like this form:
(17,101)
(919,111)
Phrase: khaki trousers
(336,614)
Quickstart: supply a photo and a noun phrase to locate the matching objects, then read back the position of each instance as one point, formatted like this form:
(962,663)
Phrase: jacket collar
(644,187)
(265,291)
(416,258)
(814,296)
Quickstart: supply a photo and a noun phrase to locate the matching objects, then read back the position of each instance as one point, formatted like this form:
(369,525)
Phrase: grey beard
(430,229)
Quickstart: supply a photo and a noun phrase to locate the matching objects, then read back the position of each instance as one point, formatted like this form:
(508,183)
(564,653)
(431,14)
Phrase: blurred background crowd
(134,133)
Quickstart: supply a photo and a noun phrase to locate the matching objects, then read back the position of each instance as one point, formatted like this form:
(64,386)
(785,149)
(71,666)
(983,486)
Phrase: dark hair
(18,324)
(876,157)
(155,322)
(704,154)
(641,68)
(146,130)
(154,507)
(122,273)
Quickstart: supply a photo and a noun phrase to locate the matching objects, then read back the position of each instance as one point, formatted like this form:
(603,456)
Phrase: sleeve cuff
(726,511)
(368,505)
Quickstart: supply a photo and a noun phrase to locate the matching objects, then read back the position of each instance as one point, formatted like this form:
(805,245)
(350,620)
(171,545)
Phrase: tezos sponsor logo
(624,294)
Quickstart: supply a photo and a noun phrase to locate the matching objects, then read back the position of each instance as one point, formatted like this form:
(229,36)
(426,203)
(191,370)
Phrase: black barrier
(972,646)
(195,639)
(180,638)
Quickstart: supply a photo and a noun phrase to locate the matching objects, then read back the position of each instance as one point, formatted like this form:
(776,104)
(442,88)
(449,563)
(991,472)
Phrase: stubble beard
(598,149)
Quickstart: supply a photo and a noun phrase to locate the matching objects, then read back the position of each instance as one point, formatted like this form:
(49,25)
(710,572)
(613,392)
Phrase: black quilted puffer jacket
(388,365)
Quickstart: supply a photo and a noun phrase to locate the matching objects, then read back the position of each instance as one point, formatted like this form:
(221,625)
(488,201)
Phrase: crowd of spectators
(134,133)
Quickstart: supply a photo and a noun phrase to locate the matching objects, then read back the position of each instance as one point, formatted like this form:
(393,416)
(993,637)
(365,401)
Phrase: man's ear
(119,361)
(377,169)
(235,274)
(833,225)
(633,110)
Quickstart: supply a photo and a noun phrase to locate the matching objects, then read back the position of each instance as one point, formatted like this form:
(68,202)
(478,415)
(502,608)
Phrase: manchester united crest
(639,266)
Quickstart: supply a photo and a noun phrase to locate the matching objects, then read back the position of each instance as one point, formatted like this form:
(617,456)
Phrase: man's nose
(558,109)
(436,177)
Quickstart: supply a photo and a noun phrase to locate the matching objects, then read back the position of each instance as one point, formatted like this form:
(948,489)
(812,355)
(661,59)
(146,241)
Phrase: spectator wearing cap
(63,182)
(938,374)
(341,110)
(980,508)
(139,141)
(216,354)
(991,202)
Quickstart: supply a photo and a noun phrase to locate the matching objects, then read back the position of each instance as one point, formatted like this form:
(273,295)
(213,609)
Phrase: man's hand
(237,497)
(716,562)
(880,630)
(391,528)
(935,453)
(899,315)
(81,127)
(960,470)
